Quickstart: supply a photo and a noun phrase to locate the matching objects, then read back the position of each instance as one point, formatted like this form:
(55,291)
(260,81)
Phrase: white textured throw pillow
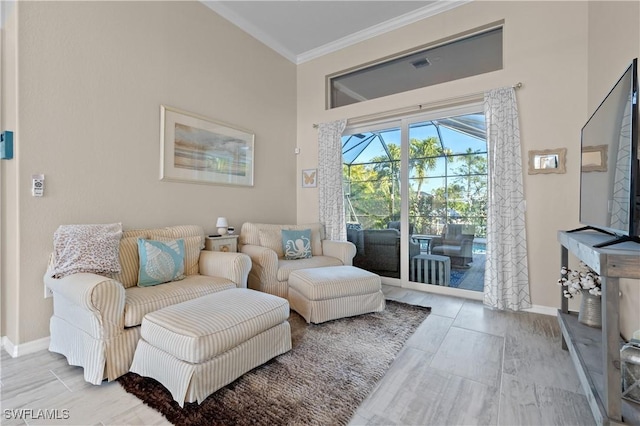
(86,248)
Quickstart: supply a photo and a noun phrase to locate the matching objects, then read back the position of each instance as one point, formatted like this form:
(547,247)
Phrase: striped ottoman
(327,293)
(196,347)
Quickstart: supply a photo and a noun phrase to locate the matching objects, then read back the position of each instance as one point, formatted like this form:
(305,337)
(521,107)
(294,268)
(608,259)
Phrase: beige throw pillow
(86,248)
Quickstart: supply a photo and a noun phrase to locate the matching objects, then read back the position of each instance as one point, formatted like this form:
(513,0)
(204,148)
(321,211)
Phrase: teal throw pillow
(160,261)
(296,244)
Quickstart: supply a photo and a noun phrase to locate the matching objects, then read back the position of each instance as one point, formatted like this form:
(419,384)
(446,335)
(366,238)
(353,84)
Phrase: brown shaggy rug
(330,370)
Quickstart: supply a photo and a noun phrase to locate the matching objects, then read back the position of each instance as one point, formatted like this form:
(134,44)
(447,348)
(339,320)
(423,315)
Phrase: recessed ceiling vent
(421,63)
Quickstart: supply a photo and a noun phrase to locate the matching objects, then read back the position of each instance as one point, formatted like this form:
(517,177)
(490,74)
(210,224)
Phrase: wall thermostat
(37,185)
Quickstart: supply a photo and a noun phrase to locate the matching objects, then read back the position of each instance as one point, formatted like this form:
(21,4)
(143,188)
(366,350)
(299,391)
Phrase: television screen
(609,161)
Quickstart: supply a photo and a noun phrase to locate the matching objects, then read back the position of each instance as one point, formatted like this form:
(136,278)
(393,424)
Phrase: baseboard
(544,310)
(25,348)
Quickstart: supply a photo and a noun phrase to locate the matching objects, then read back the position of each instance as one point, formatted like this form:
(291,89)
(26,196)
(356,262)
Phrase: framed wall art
(201,150)
(547,161)
(309,178)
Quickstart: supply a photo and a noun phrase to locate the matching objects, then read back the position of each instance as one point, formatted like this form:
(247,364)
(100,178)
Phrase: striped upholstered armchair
(96,317)
(270,269)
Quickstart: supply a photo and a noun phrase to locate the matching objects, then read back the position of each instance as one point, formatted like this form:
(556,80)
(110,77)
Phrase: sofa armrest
(264,261)
(102,297)
(232,266)
(343,250)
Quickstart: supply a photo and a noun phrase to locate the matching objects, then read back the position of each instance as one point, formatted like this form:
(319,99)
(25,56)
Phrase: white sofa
(96,319)
(270,270)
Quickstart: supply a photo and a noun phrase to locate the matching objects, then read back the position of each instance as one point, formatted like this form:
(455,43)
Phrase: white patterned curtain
(506,280)
(330,193)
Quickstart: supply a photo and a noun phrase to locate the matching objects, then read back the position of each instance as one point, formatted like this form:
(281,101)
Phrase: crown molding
(376,30)
(373,31)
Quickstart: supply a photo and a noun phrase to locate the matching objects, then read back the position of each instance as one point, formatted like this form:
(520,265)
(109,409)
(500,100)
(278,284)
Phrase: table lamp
(222,225)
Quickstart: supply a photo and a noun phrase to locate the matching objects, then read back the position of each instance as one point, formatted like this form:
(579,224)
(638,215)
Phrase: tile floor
(465,365)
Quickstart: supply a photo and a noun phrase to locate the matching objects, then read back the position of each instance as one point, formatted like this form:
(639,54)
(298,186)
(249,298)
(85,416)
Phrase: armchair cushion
(272,239)
(160,261)
(86,248)
(129,262)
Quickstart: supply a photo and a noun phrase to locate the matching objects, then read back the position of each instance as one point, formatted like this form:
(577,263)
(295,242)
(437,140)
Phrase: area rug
(456,277)
(330,370)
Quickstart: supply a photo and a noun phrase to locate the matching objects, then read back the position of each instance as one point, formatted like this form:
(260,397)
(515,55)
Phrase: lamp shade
(222,225)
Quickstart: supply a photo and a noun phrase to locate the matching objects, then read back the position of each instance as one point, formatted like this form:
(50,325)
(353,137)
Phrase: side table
(431,269)
(222,243)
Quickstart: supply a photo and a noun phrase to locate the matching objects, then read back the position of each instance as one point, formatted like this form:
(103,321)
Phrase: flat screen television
(610,168)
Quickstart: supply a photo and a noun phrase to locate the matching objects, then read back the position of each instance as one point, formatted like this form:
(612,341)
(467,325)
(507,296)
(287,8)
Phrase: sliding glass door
(416,196)
(371,171)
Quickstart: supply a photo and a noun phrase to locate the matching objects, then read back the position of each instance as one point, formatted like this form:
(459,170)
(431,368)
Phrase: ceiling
(303,30)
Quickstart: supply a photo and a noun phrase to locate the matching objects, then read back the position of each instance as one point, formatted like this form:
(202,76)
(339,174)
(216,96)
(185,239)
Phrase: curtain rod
(414,108)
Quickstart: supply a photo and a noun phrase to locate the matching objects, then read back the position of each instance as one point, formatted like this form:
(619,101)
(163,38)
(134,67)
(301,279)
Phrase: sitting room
(105,109)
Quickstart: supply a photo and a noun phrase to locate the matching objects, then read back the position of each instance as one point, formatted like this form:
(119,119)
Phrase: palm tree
(424,155)
(387,169)
(472,174)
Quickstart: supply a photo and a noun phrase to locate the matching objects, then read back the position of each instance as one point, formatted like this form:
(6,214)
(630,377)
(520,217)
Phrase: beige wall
(92,77)
(545,48)
(614,40)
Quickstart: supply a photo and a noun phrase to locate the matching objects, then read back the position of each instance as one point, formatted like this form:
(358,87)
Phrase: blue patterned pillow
(160,261)
(296,244)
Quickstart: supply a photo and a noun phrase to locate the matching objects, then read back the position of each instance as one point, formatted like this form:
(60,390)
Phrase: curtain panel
(330,191)
(506,280)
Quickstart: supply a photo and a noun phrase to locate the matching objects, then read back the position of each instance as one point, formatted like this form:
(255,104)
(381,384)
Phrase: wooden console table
(596,352)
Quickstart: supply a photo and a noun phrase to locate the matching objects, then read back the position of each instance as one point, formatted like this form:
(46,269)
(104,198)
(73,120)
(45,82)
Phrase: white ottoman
(323,294)
(196,347)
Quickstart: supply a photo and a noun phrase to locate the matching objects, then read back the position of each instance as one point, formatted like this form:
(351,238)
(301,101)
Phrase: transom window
(464,57)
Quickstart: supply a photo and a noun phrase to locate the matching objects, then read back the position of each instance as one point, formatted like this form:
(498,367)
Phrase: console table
(596,352)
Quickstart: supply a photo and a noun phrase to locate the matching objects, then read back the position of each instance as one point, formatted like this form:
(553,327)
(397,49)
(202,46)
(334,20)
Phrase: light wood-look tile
(470,354)
(415,393)
(429,336)
(526,403)
(531,346)
(474,316)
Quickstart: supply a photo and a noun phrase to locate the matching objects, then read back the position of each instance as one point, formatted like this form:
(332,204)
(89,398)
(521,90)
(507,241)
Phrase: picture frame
(547,161)
(198,149)
(309,178)
(594,158)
